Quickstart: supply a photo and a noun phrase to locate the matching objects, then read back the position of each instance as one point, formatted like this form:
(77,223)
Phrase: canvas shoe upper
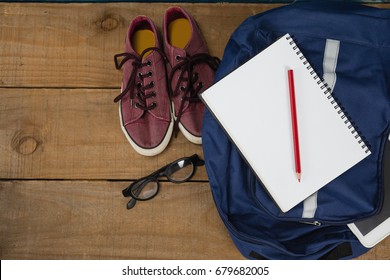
(145,107)
(191,70)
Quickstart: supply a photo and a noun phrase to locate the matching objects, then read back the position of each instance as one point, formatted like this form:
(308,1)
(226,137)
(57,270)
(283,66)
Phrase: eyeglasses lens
(180,171)
(146,190)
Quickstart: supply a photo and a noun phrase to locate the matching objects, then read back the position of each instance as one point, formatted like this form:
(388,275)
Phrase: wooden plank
(71,131)
(89,220)
(380,252)
(72,45)
(73,134)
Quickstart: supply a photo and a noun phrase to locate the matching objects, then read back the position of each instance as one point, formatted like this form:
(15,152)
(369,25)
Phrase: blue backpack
(349,46)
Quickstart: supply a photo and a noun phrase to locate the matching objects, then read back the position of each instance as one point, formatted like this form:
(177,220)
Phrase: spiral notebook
(252,106)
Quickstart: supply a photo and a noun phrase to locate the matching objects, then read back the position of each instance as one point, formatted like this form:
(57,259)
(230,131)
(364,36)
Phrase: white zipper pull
(315,223)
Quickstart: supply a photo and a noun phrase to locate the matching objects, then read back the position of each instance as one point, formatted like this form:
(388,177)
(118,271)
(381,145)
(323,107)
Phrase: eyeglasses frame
(161,172)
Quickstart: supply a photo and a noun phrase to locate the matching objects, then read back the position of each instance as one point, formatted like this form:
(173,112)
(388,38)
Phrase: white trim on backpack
(329,64)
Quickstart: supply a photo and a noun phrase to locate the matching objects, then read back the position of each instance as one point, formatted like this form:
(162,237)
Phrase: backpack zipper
(314,223)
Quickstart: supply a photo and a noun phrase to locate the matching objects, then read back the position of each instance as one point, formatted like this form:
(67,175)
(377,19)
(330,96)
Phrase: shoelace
(141,88)
(190,92)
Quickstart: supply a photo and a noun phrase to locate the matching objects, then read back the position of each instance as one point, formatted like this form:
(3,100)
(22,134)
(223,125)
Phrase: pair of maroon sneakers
(161,81)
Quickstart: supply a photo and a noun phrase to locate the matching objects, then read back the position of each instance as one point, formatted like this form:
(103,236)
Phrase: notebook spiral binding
(328,93)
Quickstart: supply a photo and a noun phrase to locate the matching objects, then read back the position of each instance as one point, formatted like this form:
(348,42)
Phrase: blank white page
(252,105)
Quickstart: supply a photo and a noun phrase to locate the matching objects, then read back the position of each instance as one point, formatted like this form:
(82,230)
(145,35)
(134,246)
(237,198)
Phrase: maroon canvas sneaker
(191,70)
(145,107)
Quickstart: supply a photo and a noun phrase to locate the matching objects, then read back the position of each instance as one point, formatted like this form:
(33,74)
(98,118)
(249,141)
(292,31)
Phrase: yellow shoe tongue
(179,33)
(143,39)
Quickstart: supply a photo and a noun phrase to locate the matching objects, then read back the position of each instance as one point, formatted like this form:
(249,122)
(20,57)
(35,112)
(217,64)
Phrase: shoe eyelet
(139,74)
(136,105)
(151,84)
(153,94)
(182,88)
(154,104)
(149,63)
(195,75)
(178,57)
(139,84)
(150,73)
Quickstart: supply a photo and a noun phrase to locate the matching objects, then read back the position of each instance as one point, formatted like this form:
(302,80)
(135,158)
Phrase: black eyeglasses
(147,187)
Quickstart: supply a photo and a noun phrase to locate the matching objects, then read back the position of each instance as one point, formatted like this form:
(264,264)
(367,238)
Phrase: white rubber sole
(188,135)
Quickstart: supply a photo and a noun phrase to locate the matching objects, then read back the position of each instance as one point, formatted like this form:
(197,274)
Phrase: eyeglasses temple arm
(197,160)
(131,203)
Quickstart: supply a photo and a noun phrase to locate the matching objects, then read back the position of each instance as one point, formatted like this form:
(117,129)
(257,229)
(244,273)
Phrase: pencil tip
(299,177)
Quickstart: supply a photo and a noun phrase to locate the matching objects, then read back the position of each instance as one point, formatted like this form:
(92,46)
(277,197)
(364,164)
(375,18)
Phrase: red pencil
(294,123)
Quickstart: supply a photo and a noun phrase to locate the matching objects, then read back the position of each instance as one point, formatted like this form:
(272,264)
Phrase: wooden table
(63,157)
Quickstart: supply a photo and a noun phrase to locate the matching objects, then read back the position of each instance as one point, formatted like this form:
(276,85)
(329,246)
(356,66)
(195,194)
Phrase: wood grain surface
(63,157)
(52,133)
(89,220)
